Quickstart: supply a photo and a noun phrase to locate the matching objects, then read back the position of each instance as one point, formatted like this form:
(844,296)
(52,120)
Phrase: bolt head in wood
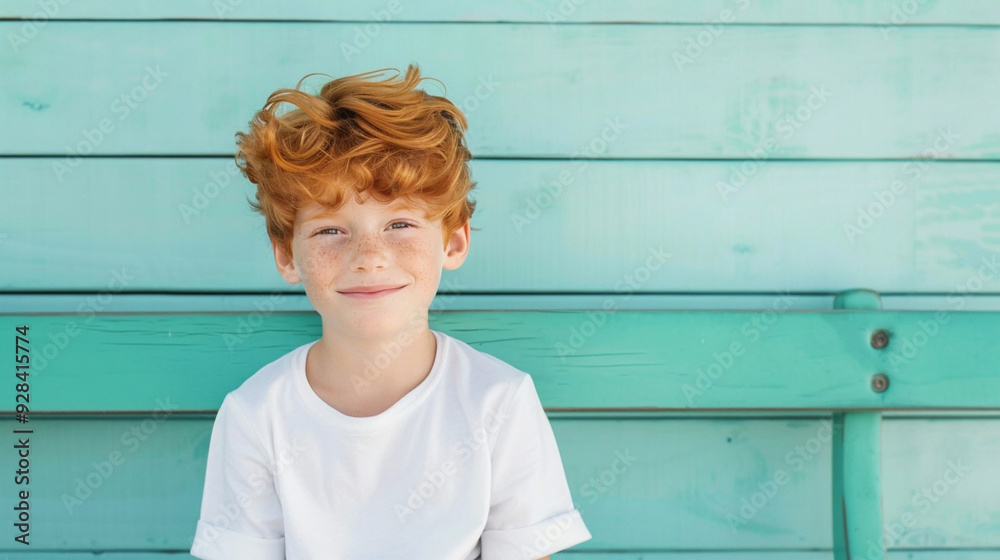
(880,339)
(880,382)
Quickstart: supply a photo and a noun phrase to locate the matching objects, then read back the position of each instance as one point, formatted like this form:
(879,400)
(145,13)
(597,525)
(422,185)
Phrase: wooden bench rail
(857,460)
(854,360)
(771,359)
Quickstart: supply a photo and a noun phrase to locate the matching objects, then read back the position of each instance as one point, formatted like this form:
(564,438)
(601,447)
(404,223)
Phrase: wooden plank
(598,555)
(924,480)
(857,465)
(688,475)
(790,91)
(599,359)
(775,555)
(26,304)
(799,226)
(857,486)
(916,12)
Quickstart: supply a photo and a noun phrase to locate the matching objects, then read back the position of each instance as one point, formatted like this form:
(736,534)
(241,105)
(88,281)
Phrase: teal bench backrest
(674,215)
(163,372)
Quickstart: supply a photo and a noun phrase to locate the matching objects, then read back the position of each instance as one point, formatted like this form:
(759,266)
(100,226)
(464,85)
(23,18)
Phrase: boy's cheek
(317,263)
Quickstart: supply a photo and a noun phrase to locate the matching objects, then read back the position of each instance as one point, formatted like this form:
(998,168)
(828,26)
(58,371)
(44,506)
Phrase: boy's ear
(286,264)
(457,247)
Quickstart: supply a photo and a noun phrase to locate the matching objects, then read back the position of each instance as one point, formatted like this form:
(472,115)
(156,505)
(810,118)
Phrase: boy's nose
(369,253)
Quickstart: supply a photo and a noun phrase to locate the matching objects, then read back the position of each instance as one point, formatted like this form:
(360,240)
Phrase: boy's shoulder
(270,380)
(481,377)
(481,364)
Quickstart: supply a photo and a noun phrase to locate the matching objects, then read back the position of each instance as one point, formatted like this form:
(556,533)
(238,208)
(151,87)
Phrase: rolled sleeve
(531,510)
(241,514)
(216,543)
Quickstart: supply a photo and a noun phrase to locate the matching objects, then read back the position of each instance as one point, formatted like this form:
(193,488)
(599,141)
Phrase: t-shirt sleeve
(240,511)
(531,511)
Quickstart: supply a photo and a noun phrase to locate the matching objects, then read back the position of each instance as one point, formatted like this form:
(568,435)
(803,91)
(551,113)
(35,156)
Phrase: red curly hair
(384,138)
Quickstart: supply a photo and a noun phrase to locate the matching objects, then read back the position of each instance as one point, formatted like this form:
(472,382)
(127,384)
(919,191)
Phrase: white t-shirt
(463,465)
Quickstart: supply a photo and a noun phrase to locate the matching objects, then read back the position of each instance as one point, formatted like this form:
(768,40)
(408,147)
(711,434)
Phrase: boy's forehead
(315,210)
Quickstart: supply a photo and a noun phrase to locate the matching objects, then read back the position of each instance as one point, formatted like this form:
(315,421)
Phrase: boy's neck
(365,376)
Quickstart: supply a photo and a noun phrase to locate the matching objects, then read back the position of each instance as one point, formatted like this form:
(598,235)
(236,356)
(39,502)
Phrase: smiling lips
(371,292)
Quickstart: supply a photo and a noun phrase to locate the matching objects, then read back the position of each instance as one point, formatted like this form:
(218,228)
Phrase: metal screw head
(880,339)
(880,382)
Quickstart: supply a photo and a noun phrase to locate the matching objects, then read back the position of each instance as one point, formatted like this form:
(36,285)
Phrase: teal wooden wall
(717,155)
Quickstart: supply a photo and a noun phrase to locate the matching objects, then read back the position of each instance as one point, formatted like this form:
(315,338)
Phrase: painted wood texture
(22,304)
(743,555)
(183,224)
(915,12)
(770,359)
(857,486)
(691,486)
(746,156)
(611,91)
(857,460)
(80,303)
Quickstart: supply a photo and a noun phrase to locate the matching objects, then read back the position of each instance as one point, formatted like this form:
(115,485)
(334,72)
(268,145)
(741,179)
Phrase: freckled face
(372,243)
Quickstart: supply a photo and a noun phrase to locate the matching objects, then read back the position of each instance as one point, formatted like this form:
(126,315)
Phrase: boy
(383,439)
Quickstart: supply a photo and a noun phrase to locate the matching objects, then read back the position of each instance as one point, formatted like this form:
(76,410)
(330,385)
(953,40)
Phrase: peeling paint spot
(36,106)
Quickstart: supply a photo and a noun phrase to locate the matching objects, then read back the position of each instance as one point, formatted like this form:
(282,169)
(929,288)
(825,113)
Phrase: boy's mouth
(371,292)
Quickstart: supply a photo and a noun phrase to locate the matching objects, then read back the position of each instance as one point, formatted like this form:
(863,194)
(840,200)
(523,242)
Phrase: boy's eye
(323,231)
